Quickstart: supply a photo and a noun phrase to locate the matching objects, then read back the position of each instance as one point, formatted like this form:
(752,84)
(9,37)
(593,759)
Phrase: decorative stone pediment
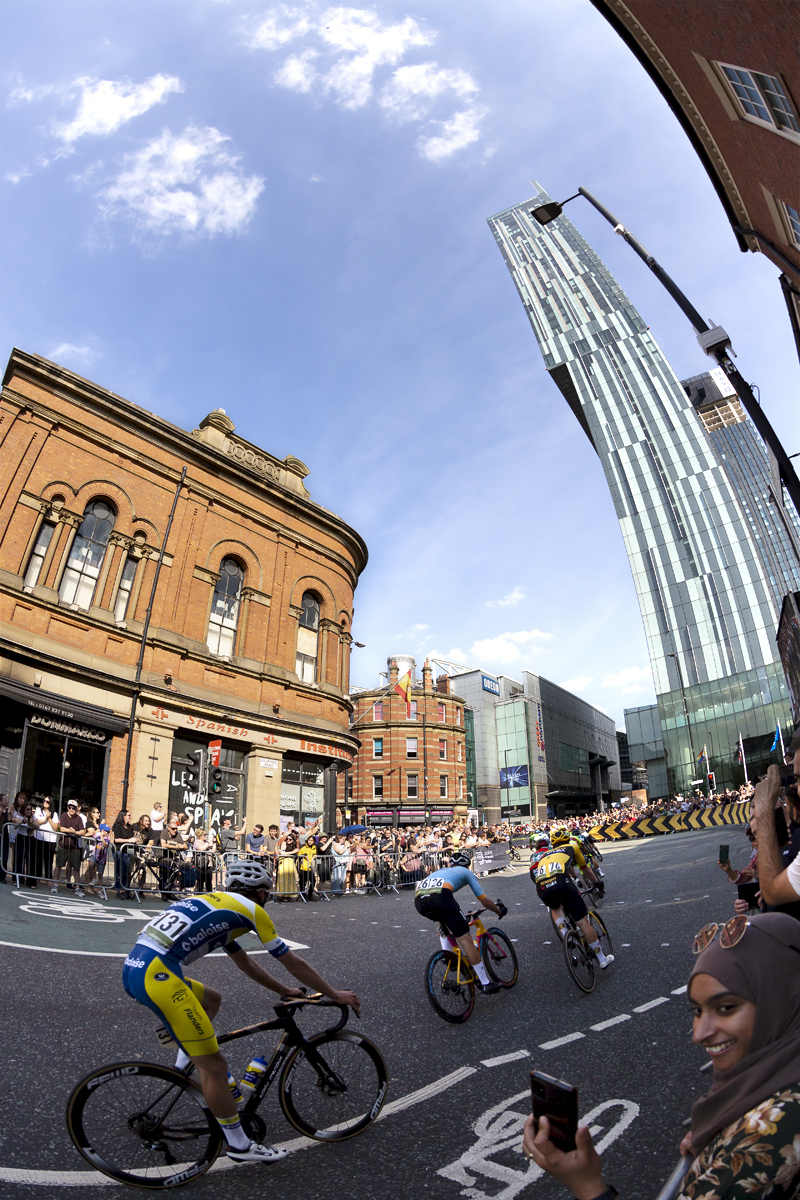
(216,430)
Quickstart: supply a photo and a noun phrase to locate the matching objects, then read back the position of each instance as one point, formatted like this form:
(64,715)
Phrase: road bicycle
(450,979)
(581,962)
(149,1125)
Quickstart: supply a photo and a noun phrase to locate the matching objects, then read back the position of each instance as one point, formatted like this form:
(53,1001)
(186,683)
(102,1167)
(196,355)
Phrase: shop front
(229,801)
(302,792)
(383,816)
(53,746)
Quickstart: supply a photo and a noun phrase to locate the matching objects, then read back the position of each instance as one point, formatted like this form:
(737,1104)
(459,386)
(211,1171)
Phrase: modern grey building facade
(704,588)
(539,750)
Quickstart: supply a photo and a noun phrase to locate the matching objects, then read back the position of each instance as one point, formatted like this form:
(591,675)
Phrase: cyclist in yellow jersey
(188,930)
(551,867)
(562,837)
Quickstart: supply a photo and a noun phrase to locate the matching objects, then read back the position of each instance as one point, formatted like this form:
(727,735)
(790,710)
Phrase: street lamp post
(713,339)
(686,712)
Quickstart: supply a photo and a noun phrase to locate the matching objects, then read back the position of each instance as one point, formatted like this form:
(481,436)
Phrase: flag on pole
(403,688)
(777,739)
(742,759)
(702,755)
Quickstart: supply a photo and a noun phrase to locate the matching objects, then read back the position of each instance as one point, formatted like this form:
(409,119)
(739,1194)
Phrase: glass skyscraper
(706,592)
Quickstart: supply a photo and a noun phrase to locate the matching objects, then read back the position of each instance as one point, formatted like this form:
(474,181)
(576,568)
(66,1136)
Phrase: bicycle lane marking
(499,1129)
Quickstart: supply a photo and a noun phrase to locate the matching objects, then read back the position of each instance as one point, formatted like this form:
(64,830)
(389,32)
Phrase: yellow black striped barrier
(735,813)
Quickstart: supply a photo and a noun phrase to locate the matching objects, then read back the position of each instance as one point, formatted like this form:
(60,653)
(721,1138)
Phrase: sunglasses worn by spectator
(730,934)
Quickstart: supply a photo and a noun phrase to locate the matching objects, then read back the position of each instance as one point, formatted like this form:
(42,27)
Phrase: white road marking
(84,1179)
(106,954)
(665,943)
(625,945)
(648,901)
(652,1004)
(498,1130)
(679,991)
(611,1021)
(505,1058)
(562,1041)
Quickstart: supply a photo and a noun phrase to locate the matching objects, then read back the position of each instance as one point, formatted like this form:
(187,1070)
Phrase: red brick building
(412,765)
(730,72)
(249,633)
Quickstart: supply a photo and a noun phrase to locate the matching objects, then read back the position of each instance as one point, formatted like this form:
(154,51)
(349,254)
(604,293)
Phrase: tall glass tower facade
(705,594)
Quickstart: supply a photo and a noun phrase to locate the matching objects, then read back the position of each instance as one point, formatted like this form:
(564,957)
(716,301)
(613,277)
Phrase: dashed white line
(505,1058)
(625,945)
(679,991)
(611,1021)
(663,943)
(652,1004)
(562,1041)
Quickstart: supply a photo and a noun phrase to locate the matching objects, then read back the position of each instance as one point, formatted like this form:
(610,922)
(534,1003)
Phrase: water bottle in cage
(236,1091)
(256,1068)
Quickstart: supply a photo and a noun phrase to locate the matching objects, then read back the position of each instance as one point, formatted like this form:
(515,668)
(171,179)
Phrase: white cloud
(460,131)
(350,46)
(184,183)
(510,601)
(411,92)
(26,95)
(298,72)
(106,104)
(577,684)
(370,43)
(280,26)
(66,352)
(506,647)
(630,679)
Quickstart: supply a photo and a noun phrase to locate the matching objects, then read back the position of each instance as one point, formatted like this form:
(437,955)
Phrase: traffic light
(216,780)
(196,771)
(712,783)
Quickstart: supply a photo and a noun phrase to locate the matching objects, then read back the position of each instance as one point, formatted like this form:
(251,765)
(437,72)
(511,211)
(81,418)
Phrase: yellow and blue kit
(186,931)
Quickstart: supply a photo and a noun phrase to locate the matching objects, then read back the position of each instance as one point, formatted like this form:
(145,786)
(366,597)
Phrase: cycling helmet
(247,874)
(559,836)
(542,842)
(460,860)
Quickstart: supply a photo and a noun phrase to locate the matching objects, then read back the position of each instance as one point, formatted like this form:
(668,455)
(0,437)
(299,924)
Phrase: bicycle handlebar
(319,1001)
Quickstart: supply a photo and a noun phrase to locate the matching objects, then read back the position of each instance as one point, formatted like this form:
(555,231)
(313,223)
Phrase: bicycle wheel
(597,923)
(499,957)
(580,960)
(453,1001)
(334,1087)
(143,1124)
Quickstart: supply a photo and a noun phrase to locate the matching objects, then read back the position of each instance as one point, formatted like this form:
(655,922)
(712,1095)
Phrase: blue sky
(280,210)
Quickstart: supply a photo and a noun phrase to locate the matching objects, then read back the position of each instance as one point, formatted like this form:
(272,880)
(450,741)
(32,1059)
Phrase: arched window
(86,555)
(307,638)
(225,608)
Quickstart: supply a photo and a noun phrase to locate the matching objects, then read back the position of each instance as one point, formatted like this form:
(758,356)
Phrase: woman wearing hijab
(744,994)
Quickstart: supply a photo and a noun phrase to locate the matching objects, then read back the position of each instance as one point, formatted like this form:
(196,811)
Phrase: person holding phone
(744,997)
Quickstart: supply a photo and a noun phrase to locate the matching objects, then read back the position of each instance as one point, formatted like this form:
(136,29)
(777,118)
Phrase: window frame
(792,233)
(306,666)
(377,711)
(83,570)
(415,754)
(755,78)
(38,552)
(412,710)
(409,794)
(377,747)
(442,787)
(122,591)
(442,709)
(230,630)
(443,749)
(377,787)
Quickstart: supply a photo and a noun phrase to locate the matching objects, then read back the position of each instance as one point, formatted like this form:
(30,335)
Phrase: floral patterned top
(754,1157)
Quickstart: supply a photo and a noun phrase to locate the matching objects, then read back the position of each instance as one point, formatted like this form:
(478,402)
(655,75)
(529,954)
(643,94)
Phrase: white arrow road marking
(499,1129)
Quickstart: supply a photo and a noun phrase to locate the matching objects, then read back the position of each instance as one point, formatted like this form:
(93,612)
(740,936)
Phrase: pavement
(457,1094)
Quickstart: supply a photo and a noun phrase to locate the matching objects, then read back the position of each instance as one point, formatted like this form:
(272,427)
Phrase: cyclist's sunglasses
(730,934)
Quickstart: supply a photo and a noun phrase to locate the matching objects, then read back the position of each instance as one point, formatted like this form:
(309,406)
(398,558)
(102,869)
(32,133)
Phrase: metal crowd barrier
(64,860)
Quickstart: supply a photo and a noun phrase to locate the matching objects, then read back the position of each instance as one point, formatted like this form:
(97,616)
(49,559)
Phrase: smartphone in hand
(724,854)
(558,1101)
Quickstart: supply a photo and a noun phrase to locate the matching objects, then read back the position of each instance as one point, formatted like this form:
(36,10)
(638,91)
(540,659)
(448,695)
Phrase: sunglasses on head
(730,934)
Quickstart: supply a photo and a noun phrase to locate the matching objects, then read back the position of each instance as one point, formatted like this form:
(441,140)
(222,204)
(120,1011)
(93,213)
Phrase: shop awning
(62,706)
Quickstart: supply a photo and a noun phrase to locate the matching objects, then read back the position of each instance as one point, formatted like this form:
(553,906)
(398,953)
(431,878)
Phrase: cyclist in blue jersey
(434,898)
(188,930)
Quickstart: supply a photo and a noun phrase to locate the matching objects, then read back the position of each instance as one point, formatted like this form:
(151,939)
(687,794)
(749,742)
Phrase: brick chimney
(443,685)
(426,676)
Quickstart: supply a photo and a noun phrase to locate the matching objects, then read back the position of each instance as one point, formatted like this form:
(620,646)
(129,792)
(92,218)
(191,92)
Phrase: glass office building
(704,588)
